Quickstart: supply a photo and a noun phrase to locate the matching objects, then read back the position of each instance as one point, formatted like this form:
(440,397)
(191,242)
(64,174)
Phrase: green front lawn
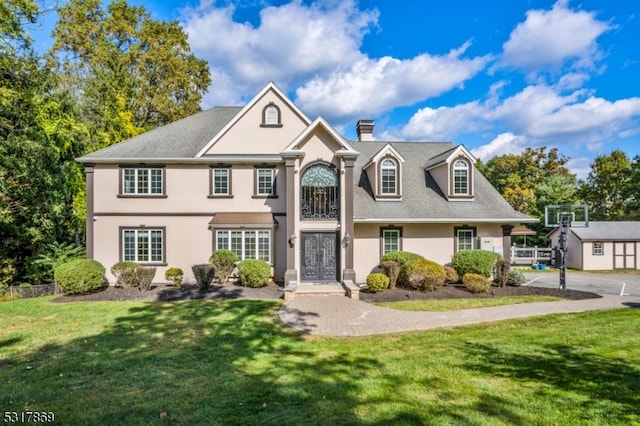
(232,362)
(435,305)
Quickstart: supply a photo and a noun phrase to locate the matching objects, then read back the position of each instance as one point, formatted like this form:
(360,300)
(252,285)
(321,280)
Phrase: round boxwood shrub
(422,274)
(476,283)
(401,257)
(474,262)
(224,261)
(516,278)
(451,275)
(80,276)
(125,273)
(175,275)
(254,273)
(377,282)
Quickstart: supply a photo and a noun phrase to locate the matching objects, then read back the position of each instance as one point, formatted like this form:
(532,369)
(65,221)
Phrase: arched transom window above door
(320,193)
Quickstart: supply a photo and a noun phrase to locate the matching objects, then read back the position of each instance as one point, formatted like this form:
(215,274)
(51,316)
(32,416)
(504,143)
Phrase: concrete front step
(296,289)
(320,289)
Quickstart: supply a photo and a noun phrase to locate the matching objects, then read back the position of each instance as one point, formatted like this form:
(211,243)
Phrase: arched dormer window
(461,180)
(320,193)
(271,116)
(389,177)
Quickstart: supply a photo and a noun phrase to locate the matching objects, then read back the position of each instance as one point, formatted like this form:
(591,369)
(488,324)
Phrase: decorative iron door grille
(320,193)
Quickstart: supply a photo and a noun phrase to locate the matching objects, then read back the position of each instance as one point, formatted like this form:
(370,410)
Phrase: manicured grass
(435,305)
(216,362)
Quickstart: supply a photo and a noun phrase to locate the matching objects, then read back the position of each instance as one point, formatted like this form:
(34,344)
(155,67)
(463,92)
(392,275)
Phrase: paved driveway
(613,283)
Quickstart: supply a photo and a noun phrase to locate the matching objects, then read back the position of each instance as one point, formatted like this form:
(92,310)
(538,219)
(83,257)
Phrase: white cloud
(538,115)
(372,86)
(504,143)
(550,38)
(291,44)
(444,123)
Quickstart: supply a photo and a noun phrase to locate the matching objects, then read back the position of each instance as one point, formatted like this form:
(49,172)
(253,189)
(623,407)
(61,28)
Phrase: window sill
(265,196)
(220,196)
(142,196)
(273,126)
(388,197)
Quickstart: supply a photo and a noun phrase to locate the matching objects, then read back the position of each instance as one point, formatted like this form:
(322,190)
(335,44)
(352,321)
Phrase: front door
(319,256)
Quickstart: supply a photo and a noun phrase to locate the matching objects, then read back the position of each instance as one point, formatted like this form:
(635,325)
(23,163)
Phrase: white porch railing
(530,255)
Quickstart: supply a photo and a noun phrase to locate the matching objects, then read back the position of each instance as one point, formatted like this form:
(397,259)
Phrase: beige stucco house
(268,182)
(602,246)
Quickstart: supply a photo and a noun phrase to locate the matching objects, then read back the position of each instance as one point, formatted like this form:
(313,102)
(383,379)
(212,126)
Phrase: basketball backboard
(576,216)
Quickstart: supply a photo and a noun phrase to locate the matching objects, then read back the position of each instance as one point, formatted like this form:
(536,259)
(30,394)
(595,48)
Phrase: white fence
(530,255)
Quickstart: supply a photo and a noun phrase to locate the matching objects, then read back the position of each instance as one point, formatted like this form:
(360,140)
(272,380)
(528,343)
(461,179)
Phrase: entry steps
(346,288)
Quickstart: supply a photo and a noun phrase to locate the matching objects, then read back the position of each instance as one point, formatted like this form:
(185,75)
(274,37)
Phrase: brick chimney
(365,130)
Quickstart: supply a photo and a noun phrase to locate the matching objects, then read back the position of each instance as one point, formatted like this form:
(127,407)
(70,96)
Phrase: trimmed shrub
(203,274)
(144,276)
(254,273)
(502,273)
(476,283)
(451,276)
(80,276)
(391,270)
(125,273)
(474,262)
(377,282)
(422,274)
(175,275)
(401,257)
(224,261)
(516,278)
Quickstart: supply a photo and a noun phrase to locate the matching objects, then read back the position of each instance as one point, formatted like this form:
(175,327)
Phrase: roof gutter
(447,220)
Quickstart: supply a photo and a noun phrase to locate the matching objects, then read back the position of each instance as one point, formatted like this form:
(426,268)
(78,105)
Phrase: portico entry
(319,257)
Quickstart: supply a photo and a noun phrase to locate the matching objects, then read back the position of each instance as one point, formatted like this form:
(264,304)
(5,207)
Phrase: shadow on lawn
(197,362)
(611,384)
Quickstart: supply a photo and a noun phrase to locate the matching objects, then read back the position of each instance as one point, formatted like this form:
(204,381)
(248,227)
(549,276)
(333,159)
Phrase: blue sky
(497,76)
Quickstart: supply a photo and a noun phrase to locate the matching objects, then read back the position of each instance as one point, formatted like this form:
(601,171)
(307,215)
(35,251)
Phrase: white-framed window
(390,240)
(142,181)
(464,239)
(598,248)
(247,244)
(265,179)
(460,177)
(220,181)
(143,245)
(389,177)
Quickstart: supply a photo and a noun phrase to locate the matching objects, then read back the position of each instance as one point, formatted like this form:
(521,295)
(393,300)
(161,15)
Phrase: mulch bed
(459,292)
(168,293)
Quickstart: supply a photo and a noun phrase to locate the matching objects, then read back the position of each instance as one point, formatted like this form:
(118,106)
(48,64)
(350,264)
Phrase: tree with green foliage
(517,176)
(530,181)
(129,72)
(608,187)
(39,139)
(631,192)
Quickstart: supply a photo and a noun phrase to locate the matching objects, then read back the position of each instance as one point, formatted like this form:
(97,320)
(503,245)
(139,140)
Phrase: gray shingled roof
(181,139)
(609,231)
(421,197)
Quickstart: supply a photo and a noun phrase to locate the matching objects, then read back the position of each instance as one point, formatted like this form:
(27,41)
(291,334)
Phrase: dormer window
(461,177)
(271,116)
(389,177)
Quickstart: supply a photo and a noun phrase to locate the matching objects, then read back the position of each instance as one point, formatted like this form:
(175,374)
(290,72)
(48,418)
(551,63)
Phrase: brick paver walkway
(341,316)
